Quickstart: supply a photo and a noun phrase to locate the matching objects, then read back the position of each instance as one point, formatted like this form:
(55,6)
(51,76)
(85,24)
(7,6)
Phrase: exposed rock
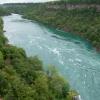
(77,97)
(73,6)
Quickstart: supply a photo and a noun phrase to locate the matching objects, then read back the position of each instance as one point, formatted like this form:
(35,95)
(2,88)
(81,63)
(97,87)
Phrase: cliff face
(73,6)
(82,21)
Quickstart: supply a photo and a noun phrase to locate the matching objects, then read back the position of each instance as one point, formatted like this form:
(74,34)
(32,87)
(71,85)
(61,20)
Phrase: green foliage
(3,84)
(71,94)
(4,11)
(3,40)
(41,87)
(1,60)
(81,1)
(84,21)
(38,65)
(58,87)
(23,78)
(13,52)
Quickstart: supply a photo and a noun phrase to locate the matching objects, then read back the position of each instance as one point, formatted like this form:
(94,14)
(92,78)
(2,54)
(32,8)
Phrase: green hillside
(23,78)
(81,19)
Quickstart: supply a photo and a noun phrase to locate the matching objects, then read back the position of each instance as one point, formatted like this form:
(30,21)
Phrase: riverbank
(75,21)
(81,21)
(20,76)
(73,57)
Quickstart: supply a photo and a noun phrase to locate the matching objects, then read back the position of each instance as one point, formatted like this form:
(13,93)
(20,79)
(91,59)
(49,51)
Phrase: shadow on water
(67,36)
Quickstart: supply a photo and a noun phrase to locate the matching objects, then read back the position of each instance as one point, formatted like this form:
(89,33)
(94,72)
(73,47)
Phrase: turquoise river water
(74,58)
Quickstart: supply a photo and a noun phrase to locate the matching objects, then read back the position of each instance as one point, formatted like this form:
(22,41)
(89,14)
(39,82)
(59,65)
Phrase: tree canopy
(23,78)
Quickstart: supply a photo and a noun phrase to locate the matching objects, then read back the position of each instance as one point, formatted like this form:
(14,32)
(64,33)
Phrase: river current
(72,56)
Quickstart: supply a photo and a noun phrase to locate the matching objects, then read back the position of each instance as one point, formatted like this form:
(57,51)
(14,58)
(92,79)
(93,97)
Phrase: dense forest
(4,11)
(81,19)
(81,1)
(23,78)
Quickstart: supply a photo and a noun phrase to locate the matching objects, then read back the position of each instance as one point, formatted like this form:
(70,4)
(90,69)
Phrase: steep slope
(81,19)
(23,78)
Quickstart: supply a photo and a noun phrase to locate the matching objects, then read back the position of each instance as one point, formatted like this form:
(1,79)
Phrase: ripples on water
(72,55)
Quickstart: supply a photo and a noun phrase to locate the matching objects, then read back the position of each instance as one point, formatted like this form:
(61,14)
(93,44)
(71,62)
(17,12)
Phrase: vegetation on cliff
(81,1)
(4,11)
(23,78)
(82,21)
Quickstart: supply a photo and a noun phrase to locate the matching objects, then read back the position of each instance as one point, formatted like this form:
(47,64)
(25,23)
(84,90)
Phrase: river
(74,58)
